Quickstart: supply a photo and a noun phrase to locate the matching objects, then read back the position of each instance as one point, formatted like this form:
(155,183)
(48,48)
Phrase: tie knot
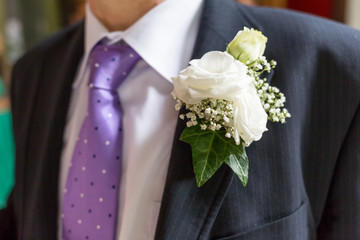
(110,65)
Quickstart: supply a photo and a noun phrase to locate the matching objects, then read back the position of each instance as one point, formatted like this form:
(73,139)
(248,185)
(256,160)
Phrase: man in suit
(303,177)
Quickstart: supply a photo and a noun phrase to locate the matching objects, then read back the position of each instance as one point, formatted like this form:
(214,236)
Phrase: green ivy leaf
(210,149)
(239,163)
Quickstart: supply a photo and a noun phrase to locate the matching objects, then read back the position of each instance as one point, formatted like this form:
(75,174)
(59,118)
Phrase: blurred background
(23,23)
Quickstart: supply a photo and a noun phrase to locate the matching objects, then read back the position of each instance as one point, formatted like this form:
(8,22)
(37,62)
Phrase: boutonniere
(228,103)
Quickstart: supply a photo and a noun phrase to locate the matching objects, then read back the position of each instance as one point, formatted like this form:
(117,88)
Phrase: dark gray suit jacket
(304,179)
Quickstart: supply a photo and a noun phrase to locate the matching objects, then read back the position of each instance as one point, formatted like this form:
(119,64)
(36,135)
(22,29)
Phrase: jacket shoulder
(29,68)
(296,30)
(295,37)
(36,54)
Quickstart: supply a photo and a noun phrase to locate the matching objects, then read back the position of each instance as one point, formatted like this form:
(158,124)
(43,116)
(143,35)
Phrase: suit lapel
(46,134)
(188,212)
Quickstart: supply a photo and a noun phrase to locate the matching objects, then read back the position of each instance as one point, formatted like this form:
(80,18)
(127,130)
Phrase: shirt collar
(164,37)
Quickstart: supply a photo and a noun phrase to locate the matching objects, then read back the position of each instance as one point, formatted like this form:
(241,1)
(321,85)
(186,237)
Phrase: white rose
(219,75)
(248,45)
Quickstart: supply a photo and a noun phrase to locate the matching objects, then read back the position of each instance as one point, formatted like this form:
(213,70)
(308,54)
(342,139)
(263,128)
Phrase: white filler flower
(218,75)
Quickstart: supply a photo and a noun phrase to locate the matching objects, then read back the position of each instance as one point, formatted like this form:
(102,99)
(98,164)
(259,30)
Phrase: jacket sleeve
(341,215)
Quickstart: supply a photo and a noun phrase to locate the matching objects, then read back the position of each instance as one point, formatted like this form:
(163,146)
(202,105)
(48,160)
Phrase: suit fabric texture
(304,177)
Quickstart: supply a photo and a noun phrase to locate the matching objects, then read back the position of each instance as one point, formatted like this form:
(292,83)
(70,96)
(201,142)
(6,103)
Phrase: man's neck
(121,14)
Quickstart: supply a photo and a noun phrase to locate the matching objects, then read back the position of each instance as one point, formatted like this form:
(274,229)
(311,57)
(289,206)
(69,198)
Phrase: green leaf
(239,163)
(210,149)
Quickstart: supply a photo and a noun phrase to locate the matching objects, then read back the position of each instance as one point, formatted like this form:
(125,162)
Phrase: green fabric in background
(2,88)
(6,157)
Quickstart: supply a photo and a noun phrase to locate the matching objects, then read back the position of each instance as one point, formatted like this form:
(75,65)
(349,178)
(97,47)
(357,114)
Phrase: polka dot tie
(91,193)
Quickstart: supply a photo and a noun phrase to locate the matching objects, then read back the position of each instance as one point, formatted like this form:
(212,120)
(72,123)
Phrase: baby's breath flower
(178,106)
(189,114)
(203,127)
(212,114)
(271,98)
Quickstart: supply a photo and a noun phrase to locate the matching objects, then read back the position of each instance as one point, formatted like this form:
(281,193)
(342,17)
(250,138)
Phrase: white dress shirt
(164,38)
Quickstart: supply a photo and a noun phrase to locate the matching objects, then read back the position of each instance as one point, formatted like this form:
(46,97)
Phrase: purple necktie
(92,187)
